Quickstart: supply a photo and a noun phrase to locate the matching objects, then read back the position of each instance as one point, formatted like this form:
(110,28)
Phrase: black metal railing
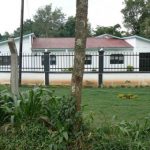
(95,62)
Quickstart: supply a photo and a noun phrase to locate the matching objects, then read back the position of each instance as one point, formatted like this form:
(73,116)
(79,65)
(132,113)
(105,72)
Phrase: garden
(45,118)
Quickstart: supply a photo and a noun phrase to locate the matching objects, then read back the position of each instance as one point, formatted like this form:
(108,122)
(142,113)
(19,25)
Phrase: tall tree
(135,12)
(27,28)
(68,30)
(48,22)
(113,30)
(69,27)
(80,45)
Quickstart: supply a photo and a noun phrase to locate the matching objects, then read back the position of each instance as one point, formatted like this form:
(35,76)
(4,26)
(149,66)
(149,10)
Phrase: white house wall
(88,79)
(132,41)
(142,46)
(139,45)
(4,49)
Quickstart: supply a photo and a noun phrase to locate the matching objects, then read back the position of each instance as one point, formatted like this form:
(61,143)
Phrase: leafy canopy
(136,17)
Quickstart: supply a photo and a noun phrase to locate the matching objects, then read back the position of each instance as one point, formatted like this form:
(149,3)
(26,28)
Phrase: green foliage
(68,69)
(5,36)
(51,122)
(27,28)
(113,30)
(68,29)
(6,106)
(122,136)
(30,135)
(48,22)
(57,114)
(136,16)
(130,68)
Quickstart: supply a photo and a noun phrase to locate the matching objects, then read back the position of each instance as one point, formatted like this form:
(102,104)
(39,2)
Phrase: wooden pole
(14,67)
(21,41)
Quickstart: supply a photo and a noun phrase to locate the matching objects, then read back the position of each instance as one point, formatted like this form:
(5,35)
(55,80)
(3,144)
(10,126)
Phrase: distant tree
(27,28)
(47,23)
(68,30)
(113,30)
(136,16)
(5,36)
(69,27)
(145,28)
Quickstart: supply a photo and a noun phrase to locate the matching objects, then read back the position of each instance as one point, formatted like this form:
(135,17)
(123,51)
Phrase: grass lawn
(104,103)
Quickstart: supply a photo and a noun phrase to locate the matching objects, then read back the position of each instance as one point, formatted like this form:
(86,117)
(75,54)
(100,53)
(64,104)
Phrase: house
(27,44)
(119,53)
(58,46)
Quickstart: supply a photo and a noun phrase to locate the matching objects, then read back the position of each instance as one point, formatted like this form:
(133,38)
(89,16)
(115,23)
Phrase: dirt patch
(127,82)
(33,82)
(86,83)
(4,81)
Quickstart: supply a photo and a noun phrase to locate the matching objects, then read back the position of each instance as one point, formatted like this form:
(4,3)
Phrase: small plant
(130,68)
(68,69)
(127,96)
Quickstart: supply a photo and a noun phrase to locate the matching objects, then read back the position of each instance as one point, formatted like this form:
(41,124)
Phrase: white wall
(139,45)
(142,46)
(4,49)
(89,79)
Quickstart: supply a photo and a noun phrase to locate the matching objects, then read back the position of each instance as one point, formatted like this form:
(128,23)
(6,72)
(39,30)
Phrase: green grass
(104,103)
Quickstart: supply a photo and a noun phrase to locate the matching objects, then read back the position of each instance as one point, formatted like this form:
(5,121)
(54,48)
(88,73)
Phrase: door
(144,62)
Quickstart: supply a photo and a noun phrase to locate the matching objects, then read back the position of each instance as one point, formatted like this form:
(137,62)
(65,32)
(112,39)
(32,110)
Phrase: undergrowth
(38,119)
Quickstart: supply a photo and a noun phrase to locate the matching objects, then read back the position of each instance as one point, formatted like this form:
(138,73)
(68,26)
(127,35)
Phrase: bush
(130,68)
(68,69)
(57,114)
(122,136)
(30,135)
(38,119)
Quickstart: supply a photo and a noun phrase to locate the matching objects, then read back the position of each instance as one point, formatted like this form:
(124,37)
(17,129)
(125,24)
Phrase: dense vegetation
(38,119)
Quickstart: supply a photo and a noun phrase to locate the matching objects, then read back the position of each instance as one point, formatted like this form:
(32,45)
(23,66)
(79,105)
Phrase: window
(5,60)
(116,59)
(52,60)
(88,60)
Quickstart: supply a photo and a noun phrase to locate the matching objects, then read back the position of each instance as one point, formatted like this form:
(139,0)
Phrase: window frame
(88,59)
(116,59)
(52,59)
(5,60)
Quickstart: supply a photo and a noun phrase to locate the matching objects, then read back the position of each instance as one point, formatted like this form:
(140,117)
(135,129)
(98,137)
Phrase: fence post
(101,65)
(14,67)
(46,67)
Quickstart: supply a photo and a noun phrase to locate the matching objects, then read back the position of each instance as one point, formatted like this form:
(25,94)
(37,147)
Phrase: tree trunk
(80,45)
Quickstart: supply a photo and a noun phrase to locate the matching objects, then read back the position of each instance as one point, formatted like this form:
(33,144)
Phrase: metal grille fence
(95,62)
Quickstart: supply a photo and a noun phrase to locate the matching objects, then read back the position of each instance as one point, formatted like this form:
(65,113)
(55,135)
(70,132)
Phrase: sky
(100,12)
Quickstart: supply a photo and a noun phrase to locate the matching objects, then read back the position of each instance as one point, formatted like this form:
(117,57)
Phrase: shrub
(6,107)
(130,68)
(43,120)
(30,135)
(68,69)
(122,136)
(57,114)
